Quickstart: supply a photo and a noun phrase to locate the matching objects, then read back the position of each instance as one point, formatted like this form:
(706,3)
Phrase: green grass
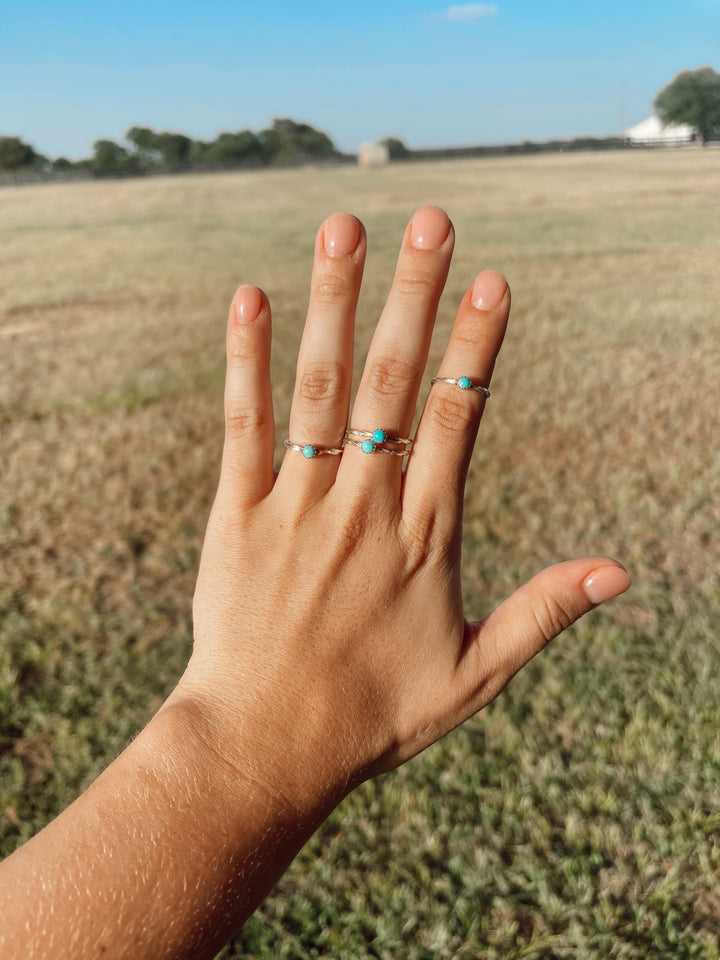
(579,815)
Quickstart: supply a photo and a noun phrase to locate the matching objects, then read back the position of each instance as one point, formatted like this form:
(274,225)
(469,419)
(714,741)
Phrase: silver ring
(368,446)
(375,441)
(309,450)
(465,383)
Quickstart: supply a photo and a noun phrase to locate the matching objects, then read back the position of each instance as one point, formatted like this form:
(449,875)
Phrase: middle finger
(396,360)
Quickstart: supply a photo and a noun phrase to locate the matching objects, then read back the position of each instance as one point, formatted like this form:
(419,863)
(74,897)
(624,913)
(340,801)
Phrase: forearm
(166,855)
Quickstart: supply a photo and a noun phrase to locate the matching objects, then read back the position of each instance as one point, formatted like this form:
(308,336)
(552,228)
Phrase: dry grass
(601,437)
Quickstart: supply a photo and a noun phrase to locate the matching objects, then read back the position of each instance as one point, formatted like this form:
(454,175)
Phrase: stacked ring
(309,450)
(374,441)
(464,383)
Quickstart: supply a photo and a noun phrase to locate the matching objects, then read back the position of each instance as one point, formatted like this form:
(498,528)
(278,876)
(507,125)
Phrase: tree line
(145,150)
(692,97)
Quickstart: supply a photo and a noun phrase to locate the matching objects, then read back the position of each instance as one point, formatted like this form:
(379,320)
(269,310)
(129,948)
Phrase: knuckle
(468,333)
(322,381)
(391,376)
(550,615)
(243,421)
(412,285)
(351,532)
(241,349)
(419,540)
(330,288)
(448,414)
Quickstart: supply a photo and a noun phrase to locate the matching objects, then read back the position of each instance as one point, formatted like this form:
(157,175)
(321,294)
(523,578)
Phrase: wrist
(251,759)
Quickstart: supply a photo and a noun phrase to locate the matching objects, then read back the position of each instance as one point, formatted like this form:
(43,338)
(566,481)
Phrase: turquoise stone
(464,383)
(367,446)
(379,436)
(309,451)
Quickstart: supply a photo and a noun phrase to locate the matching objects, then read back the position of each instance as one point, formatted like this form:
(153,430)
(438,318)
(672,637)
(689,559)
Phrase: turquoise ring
(378,441)
(309,450)
(464,383)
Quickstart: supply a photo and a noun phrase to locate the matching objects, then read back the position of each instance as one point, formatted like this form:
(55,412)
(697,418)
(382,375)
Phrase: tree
(174,147)
(693,97)
(396,148)
(145,142)
(15,154)
(151,148)
(287,139)
(241,147)
(110,157)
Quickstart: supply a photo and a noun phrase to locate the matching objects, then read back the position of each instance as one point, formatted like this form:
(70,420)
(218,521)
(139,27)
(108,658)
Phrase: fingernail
(247,303)
(430,228)
(605,583)
(341,235)
(488,290)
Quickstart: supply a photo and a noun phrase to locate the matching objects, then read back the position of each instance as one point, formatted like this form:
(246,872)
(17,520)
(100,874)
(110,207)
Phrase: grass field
(579,815)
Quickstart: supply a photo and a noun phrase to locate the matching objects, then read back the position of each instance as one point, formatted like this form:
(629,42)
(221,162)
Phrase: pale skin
(330,638)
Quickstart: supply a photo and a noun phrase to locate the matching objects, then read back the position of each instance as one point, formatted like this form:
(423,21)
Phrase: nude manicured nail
(248,302)
(341,235)
(430,228)
(605,583)
(488,290)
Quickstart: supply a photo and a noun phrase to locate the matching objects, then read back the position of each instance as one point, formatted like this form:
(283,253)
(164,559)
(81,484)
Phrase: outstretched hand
(330,639)
(329,623)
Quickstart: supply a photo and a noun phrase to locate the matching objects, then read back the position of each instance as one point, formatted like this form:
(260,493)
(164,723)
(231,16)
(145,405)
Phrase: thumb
(530,618)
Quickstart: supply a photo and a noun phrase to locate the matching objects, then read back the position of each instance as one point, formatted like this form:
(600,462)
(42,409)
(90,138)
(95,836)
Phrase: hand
(329,631)
(330,642)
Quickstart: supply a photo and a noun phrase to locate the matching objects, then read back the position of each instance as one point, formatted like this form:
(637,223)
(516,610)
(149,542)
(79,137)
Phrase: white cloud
(470,11)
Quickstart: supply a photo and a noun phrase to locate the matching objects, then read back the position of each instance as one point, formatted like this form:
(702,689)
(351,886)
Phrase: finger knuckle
(551,616)
(391,376)
(242,348)
(351,531)
(450,414)
(419,540)
(240,422)
(468,333)
(331,289)
(414,285)
(322,381)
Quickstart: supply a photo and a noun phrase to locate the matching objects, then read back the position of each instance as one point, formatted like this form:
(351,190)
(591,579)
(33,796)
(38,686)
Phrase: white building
(651,132)
(374,154)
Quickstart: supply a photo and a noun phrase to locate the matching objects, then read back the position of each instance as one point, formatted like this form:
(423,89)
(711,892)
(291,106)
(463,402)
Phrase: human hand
(330,640)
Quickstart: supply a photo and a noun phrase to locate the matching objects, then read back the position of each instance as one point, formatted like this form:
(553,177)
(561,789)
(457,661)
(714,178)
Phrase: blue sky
(431,73)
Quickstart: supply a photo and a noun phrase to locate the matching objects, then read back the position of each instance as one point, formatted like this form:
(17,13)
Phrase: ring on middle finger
(378,441)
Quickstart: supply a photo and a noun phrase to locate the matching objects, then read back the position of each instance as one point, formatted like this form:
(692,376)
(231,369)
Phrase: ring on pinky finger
(464,383)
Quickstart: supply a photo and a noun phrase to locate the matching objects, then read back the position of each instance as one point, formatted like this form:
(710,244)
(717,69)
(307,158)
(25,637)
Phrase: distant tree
(15,154)
(396,148)
(61,163)
(174,148)
(109,157)
(198,152)
(241,147)
(287,139)
(151,147)
(144,140)
(693,97)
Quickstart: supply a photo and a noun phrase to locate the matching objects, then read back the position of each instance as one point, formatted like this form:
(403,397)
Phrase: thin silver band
(379,449)
(310,451)
(371,434)
(465,383)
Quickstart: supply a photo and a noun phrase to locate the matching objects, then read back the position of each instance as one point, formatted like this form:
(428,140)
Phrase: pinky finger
(247,467)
